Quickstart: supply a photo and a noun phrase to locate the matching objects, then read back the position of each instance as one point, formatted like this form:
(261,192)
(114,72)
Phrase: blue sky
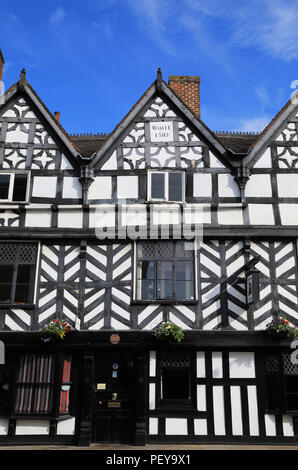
(92,60)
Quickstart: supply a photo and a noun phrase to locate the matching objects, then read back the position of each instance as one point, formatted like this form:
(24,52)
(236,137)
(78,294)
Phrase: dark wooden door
(114,413)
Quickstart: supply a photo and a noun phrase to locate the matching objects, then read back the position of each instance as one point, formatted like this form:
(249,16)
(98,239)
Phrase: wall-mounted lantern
(252,286)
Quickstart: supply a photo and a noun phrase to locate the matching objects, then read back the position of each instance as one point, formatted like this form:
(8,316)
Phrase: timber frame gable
(159,89)
(22,89)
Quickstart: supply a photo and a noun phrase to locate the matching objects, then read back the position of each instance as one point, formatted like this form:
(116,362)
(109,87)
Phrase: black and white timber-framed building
(90,233)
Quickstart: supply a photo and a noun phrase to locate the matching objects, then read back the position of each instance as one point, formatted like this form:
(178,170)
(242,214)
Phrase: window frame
(11,186)
(169,301)
(281,388)
(54,412)
(166,188)
(174,403)
(32,291)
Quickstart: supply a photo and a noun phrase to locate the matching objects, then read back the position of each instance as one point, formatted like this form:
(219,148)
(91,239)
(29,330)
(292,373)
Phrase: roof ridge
(89,134)
(236,133)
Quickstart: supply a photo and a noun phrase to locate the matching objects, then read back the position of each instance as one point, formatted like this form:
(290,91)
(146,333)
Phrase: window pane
(175,187)
(184,290)
(175,384)
(5,283)
(157,185)
(184,270)
(164,270)
(146,290)
(164,289)
(23,284)
(19,189)
(4,186)
(146,270)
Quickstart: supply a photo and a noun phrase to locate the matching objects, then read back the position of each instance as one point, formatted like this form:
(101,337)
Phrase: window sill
(40,417)
(16,306)
(164,302)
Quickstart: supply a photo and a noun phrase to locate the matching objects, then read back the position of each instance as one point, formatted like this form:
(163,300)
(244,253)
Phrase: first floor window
(14,187)
(17,272)
(165,270)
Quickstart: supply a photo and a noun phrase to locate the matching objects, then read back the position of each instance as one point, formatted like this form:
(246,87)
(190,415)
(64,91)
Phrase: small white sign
(161,131)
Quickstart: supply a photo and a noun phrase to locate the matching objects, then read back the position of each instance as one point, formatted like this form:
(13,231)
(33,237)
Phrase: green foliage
(55,329)
(169,331)
(282,328)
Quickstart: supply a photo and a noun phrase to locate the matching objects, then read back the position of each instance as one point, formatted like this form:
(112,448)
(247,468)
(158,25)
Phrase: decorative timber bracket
(159,80)
(86,178)
(22,80)
(242,176)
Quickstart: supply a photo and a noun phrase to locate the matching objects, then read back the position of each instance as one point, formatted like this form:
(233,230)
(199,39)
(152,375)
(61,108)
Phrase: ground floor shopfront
(213,387)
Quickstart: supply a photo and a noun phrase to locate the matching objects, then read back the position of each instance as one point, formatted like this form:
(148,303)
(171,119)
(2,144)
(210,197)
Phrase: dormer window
(14,187)
(168,186)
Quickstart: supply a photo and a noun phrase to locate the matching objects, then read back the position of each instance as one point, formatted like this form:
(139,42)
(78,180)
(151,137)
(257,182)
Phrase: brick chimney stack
(57,116)
(188,89)
(1,69)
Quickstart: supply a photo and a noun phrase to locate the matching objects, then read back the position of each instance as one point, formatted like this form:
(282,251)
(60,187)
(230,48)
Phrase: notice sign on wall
(161,131)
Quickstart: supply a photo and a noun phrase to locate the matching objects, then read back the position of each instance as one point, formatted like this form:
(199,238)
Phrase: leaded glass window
(165,270)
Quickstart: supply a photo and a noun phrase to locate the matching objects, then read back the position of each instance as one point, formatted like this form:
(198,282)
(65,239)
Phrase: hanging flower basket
(168,331)
(54,331)
(281,328)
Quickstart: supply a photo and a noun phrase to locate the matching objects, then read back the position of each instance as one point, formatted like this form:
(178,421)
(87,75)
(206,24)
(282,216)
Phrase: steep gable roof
(23,87)
(160,87)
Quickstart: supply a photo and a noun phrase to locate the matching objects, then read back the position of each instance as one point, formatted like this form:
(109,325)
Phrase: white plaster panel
(201,369)
(197,214)
(32,427)
(287,185)
(289,214)
(258,186)
(72,188)
(217,365)
(151,396)
(65,164)
(44,186)
(111,163)
(66,427)
(38,218)
(237,427)
(253,413)
(202,185)
(287,424)
(261,214)
(127,187)
(134,214)
(101,188)
(165,214)
(201,397)
(176,426)
(265,160)
(70,218)
(152,363)
(229,215)
(153,426)
(4,422)
(215,162)
(102,216)
(227,186)
(200,427)
(219,411)
(242,365)
(270,425)
(17,135)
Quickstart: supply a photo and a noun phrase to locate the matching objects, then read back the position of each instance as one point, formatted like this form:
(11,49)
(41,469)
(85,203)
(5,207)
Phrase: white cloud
(57,16)
(256,124)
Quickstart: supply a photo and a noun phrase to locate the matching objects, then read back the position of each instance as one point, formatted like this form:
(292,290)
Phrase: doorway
(114,407)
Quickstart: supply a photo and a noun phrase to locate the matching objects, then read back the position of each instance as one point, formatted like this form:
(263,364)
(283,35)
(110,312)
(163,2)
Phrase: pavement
(151,447)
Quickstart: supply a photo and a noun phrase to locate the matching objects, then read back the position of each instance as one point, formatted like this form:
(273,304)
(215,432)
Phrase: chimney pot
(57,116)
(188,89)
